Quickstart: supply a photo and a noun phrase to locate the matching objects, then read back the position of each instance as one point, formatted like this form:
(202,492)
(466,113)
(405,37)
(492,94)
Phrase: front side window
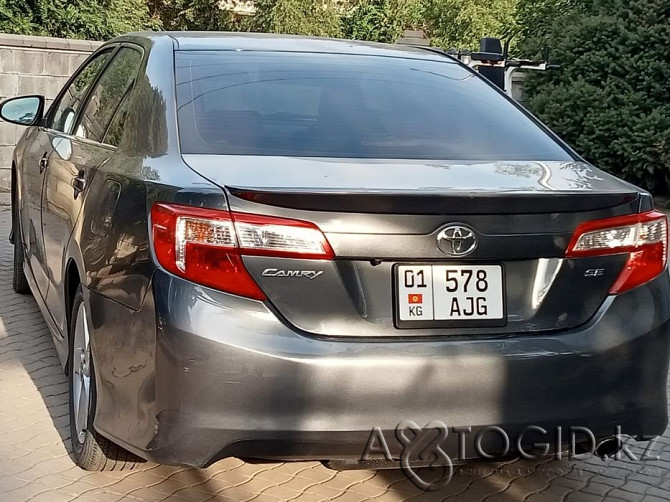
(112,91)
(67,107)
(357,106)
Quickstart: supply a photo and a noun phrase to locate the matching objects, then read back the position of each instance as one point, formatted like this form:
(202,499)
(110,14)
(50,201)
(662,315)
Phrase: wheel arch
(72,281)
(73,276)
(14,199)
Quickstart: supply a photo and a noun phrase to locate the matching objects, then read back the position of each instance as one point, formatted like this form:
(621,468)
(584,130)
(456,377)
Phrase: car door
(36,159)
(32,167)
(77,152)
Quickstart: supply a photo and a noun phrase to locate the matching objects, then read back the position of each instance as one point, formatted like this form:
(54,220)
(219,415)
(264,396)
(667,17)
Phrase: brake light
(643,236)
(206,245)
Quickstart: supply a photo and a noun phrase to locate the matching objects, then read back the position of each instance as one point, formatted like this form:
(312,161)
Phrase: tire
(19,281)
(91,451)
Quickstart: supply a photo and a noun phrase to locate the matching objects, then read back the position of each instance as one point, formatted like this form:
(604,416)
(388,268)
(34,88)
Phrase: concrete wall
(33,65)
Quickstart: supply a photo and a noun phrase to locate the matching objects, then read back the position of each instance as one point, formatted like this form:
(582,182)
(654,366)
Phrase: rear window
(332,105)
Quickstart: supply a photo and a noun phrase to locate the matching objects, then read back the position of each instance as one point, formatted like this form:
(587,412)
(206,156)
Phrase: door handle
(44,162)
(79,183)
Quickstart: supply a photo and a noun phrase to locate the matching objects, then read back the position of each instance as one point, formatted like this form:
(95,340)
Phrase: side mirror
(24,110)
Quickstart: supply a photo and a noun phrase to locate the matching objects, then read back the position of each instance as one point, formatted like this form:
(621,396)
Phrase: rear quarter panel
(111,247)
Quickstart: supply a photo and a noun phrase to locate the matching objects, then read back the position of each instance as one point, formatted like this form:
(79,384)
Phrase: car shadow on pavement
(25,340)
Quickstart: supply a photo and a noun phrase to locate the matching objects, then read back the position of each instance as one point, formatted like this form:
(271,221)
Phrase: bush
(16,16)
(461,23)
(97,20)
(105,19)
(611,96)
(187,15)
(297,17)
(382,20)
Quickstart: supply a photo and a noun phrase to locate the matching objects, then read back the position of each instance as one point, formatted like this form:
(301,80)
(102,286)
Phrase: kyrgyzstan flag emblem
(414,298)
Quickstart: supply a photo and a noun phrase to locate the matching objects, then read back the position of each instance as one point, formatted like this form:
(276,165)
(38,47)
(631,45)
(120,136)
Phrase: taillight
(643,236)
(206,245)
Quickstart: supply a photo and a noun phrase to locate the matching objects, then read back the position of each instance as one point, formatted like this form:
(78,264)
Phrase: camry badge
(274,272)
(456,240)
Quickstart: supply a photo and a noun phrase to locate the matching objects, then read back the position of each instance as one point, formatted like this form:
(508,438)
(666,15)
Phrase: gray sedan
(291,248)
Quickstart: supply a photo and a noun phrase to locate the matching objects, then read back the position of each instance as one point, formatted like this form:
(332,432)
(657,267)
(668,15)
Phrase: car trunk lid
(380,215)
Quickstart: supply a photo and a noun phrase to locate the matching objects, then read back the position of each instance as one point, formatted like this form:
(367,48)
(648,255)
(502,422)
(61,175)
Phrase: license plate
(449,295)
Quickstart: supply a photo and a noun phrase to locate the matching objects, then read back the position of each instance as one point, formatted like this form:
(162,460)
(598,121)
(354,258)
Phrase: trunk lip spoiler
(435,202)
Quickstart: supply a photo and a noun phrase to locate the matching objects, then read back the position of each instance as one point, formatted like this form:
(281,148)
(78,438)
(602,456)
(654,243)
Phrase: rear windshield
(333,105)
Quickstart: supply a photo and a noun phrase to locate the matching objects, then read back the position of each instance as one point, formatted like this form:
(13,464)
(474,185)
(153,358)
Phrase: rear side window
(116,126)
(331,105)
(110,97)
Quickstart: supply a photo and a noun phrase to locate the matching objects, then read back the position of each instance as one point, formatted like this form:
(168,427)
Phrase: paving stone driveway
(35,463)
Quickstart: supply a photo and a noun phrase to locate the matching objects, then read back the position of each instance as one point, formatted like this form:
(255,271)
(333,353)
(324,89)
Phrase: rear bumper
(232,380)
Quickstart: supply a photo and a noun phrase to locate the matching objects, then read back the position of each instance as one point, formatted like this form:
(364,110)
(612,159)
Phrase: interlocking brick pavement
(35,462)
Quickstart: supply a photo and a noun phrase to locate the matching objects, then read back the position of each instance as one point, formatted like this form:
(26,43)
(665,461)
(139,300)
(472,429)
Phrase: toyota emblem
(456,240)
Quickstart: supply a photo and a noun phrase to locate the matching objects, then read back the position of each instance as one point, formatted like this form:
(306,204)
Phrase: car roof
(269,42)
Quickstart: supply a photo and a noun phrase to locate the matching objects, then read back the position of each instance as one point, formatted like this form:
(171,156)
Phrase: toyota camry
(269,246)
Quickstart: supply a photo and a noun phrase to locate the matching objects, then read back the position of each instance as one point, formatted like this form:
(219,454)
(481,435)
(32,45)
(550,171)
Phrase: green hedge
(611,96)
(89,19)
